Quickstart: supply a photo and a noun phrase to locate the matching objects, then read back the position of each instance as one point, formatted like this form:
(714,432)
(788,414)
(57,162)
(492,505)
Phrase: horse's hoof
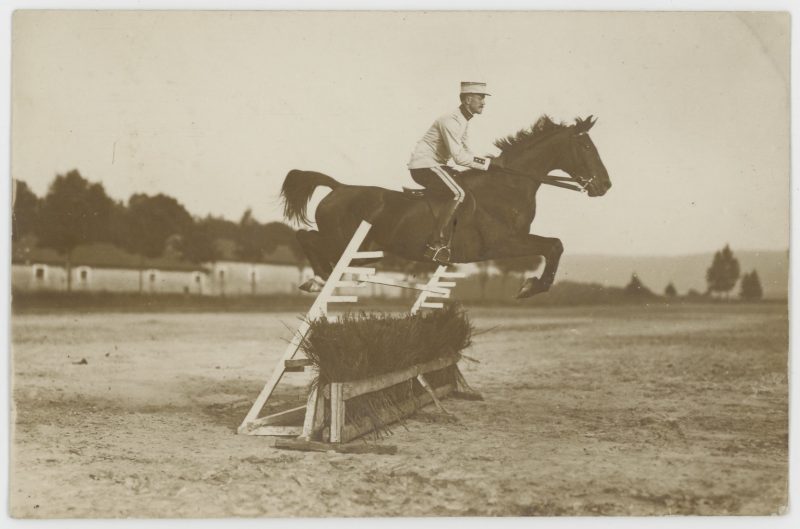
(531,287)
(311,286)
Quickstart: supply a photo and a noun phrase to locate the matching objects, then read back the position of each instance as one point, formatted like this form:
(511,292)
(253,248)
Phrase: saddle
(436,200)
(433,197)
(415,192)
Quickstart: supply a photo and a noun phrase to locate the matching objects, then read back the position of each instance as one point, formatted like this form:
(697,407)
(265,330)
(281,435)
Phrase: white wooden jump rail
(438,287)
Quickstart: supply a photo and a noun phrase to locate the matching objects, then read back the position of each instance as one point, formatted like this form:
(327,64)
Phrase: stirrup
(440,254)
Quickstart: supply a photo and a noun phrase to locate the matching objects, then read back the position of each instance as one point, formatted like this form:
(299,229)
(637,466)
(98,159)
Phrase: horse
(493,222)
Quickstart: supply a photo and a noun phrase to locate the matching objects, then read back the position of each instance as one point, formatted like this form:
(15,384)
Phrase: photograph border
(6,12)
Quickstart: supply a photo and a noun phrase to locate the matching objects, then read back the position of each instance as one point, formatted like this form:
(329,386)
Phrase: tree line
(721,277)
(75,211)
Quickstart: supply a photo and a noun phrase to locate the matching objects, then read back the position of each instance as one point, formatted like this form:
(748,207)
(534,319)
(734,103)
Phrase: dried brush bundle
(361,345)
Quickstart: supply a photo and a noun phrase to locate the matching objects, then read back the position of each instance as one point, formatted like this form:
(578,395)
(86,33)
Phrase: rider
(446,139)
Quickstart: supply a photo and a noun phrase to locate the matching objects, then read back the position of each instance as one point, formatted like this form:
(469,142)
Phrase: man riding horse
(499,204)
(446,139)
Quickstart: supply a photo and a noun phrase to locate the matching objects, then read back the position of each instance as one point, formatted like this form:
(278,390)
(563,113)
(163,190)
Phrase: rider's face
(475,103)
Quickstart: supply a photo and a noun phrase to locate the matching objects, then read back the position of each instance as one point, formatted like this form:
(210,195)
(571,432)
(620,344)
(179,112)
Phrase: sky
(214,108)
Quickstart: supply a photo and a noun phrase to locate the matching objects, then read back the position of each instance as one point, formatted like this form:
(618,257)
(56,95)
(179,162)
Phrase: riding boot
(439,248)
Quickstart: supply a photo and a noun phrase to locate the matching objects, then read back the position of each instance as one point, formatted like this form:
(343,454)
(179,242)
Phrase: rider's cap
(471,87)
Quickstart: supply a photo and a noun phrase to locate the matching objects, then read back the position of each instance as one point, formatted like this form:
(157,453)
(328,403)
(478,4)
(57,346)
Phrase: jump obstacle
(345,275)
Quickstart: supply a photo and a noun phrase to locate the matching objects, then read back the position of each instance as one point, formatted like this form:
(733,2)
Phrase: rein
(551,180)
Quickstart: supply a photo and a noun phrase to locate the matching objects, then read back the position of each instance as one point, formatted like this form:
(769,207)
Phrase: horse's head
(547,146)
(581,160)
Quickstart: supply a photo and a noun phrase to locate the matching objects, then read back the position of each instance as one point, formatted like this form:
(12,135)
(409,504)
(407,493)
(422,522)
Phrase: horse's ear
(583,125)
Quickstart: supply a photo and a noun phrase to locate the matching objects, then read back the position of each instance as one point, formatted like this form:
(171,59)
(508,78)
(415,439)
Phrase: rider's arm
(451,132)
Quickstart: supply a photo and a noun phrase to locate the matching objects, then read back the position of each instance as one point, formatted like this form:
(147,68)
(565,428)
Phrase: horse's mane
(543,127)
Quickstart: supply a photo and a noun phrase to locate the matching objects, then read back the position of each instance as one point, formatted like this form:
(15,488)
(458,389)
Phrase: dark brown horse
(493,222)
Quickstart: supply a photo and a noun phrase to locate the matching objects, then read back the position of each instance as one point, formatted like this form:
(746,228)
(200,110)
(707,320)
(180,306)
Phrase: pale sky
(214,108)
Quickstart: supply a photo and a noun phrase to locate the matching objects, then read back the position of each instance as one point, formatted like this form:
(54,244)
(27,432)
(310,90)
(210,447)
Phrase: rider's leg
(442,179)
(445,221)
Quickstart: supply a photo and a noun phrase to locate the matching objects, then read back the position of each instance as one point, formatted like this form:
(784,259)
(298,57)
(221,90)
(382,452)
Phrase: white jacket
(446,139)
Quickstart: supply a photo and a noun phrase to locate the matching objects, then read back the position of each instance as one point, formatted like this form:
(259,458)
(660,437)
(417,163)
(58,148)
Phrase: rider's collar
(464,112)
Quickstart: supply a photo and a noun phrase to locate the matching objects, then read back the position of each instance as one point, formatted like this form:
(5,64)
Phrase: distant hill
(684,271)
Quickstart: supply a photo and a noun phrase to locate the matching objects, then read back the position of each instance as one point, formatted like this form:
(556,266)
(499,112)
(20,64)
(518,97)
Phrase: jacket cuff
(481,162)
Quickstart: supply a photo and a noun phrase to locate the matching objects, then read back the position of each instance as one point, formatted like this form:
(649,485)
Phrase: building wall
(235,279)
(25,277)
(228,278)
(84,278)
(224,279)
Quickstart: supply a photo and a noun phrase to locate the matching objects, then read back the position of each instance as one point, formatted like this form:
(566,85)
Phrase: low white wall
(224,278)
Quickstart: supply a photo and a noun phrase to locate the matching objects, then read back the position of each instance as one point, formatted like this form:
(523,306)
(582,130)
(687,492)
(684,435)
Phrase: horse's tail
(297,190)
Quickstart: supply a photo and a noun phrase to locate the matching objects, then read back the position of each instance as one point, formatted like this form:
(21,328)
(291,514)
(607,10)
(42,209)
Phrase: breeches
(441,179)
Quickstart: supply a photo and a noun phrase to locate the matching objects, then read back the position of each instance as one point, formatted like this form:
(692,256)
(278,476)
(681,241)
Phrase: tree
(199,243)
(151,221)
(280,234)
(73,212)
(26,211)
(636,288)
(516,265)
(751,287)
(694,294)
(670,291)
(220,228)
(119,225)
(724,271)
(251,243)
(196,244)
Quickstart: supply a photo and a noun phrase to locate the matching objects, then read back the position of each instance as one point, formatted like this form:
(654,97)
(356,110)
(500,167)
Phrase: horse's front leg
(548,247)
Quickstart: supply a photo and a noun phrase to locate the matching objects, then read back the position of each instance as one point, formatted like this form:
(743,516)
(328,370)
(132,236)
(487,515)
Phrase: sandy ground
(661,410)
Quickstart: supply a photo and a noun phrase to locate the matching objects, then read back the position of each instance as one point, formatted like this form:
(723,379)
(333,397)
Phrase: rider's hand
(497,163)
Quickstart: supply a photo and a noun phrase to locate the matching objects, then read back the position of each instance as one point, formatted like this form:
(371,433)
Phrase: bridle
(564,182)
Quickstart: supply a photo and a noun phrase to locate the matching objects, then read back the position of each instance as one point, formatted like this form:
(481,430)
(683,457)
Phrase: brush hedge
(365,344)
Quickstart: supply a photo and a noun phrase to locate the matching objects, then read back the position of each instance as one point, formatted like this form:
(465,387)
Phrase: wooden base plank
(379,382)
(288,431)
(357,429)
(316,446)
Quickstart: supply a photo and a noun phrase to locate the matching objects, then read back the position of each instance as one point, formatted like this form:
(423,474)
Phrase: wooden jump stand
(438,287)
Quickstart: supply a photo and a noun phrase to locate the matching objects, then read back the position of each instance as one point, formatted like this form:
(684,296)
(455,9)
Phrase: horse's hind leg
(314,248)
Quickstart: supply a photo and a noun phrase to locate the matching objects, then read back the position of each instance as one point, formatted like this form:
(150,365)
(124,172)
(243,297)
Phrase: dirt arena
(587,411)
